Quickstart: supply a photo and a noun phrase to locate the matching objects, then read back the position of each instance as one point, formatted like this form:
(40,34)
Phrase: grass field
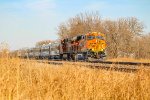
(25,80)
(130,60)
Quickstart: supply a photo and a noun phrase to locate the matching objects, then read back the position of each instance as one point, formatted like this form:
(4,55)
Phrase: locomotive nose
(100,45)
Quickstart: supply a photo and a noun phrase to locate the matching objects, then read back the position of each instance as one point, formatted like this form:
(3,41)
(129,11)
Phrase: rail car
(81,47)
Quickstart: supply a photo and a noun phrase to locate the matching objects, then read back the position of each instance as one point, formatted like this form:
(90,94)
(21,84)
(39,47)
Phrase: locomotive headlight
(103,46)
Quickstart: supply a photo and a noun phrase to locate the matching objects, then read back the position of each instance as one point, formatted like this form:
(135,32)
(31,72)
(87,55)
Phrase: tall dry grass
(129,60)
(25,80)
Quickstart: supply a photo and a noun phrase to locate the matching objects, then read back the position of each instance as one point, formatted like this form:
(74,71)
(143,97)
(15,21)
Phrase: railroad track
(122,63)
(106,65)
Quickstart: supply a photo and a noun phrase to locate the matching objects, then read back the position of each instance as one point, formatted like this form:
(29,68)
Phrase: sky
(25,22)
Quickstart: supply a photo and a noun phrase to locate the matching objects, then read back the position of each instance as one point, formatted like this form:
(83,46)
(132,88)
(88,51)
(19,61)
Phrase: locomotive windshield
(90,37)
(100,37)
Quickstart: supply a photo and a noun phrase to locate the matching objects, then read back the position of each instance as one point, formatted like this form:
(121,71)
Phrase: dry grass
(130,60)
(24,80)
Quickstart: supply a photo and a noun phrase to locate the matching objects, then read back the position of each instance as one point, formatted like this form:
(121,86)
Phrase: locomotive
(81,47)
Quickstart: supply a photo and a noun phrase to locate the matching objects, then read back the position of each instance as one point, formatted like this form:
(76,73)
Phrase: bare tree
(63,31)
(120,36)
(80,24)
(142,46)
(4,50)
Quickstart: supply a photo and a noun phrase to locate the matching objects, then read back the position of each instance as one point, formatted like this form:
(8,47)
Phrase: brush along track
(106,65)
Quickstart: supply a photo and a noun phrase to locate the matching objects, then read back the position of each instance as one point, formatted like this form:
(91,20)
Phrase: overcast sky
(24,22)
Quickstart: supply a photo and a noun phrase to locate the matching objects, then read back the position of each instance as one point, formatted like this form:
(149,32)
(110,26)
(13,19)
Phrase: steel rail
(106,65)
(100,62)
(122,63)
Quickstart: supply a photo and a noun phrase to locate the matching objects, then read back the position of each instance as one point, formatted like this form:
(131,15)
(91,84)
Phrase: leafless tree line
(40,43)
(123,36)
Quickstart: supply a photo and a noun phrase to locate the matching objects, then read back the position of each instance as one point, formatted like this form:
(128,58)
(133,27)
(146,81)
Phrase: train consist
(81,47)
